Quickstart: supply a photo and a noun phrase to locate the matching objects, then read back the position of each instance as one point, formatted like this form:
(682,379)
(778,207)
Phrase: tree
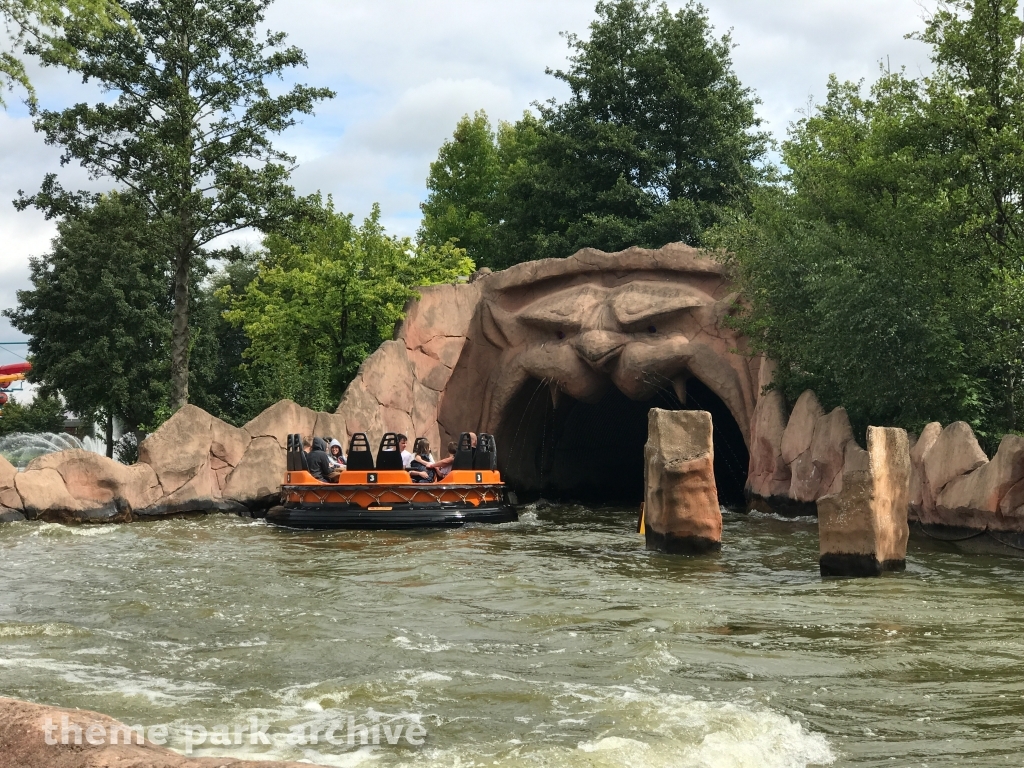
(97,314)
(43,414)
(886,270)
(657,138)
(462,184)
(40,21)
(218,382)
(189,131)
(327,294)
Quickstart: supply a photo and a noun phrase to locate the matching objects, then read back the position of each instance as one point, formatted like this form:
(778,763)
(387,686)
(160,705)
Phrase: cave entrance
(594,452)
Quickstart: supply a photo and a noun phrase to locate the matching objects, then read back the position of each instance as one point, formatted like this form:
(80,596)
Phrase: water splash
(21,447)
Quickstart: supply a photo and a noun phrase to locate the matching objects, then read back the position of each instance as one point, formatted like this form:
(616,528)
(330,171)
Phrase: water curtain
(21,447)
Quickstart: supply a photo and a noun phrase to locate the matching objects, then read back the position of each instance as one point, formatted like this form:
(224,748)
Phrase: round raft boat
(380,494)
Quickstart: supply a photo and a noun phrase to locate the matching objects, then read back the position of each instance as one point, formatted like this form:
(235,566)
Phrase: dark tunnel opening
(594,452)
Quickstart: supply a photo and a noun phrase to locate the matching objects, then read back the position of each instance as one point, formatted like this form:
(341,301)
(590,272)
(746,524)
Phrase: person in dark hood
(319,461)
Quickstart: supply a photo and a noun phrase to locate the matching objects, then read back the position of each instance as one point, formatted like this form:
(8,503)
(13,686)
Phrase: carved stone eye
(651,329)
(561,335)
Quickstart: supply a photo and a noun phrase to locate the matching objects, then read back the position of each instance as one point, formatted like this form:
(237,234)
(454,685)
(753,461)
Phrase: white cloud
(406,70)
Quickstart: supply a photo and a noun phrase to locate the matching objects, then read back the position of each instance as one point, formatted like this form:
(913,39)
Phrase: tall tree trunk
(110,434)
(179,333)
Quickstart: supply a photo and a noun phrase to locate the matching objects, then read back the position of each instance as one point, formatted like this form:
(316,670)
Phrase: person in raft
(419,467)
(403,444)
(318,460)
(444,466)
(336,456)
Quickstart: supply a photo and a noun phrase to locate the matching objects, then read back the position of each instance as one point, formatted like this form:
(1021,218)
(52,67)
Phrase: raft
(379,494)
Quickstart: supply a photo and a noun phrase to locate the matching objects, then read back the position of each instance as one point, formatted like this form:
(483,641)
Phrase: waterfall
(21,447)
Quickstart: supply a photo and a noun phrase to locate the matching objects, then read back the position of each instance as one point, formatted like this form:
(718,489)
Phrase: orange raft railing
(381,489)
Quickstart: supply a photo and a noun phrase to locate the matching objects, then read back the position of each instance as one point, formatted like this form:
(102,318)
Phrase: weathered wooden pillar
(681,512)
(863,528)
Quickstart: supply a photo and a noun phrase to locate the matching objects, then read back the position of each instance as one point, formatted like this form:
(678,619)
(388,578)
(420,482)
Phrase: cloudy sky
(406,70)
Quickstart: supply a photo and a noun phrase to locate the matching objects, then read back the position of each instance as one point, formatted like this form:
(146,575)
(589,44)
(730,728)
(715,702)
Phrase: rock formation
(798,460)
(795,462)
(10,500)
(681,512)
(862,523)
(23,743)
(642,322)
(193,463)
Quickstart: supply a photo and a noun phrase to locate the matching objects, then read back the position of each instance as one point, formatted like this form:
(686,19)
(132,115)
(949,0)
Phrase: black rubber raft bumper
(325,517)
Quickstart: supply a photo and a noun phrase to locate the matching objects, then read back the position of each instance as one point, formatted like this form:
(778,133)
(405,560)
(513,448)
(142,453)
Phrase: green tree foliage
(656,139)
(188,130)
(218,378)
(326,295)
(463,184)
(885,272)
(97,314)
(43,414)
(39,22)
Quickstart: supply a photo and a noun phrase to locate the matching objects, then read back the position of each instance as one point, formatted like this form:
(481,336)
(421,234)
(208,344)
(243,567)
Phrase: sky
(405,71)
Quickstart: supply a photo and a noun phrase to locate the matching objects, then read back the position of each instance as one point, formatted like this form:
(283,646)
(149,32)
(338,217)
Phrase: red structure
(10,374)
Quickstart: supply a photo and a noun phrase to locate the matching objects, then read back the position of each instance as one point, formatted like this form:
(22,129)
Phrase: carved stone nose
(598,347)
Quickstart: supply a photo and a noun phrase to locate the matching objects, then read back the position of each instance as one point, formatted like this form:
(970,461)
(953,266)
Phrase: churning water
(555,641)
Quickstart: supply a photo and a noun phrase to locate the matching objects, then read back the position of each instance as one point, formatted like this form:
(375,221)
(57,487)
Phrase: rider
(319,461)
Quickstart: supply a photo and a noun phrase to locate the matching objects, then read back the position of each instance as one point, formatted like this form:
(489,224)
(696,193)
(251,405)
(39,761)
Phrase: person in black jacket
(319,462)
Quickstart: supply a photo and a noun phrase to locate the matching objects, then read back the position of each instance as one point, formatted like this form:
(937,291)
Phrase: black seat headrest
(360,457)
(290,455)
(464,453)
(486,453)
(388,456)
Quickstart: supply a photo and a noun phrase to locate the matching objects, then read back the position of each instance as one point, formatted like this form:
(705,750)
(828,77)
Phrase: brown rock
(9,498)
(228,443)
(1011,505)
(681,508)
(796,440)
(956,452)
(257,478)
(360,411)
(818,470)
(388,375)
(921,496)
(332,425)
(982,490)
(768,474)
(7,473)
(424,415)
(44,495)
(283,419)
(828,449)
(182,447)
(96,480)
(863,529)
(442,312)
(23,743)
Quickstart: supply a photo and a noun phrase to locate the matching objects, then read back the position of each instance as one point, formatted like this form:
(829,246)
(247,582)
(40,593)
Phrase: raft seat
(389,457)
(464,454)
(360,458)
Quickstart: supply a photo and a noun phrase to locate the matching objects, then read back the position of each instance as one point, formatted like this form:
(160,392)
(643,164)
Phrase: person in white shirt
(403,444)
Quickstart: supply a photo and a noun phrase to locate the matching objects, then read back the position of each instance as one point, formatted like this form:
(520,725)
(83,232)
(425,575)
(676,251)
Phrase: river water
(555,641)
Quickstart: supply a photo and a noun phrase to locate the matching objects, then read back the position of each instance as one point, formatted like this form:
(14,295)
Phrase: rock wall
(193,463)
(795,458)
(798,458)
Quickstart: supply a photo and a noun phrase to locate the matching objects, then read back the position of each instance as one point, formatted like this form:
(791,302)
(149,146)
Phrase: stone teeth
(556,393)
